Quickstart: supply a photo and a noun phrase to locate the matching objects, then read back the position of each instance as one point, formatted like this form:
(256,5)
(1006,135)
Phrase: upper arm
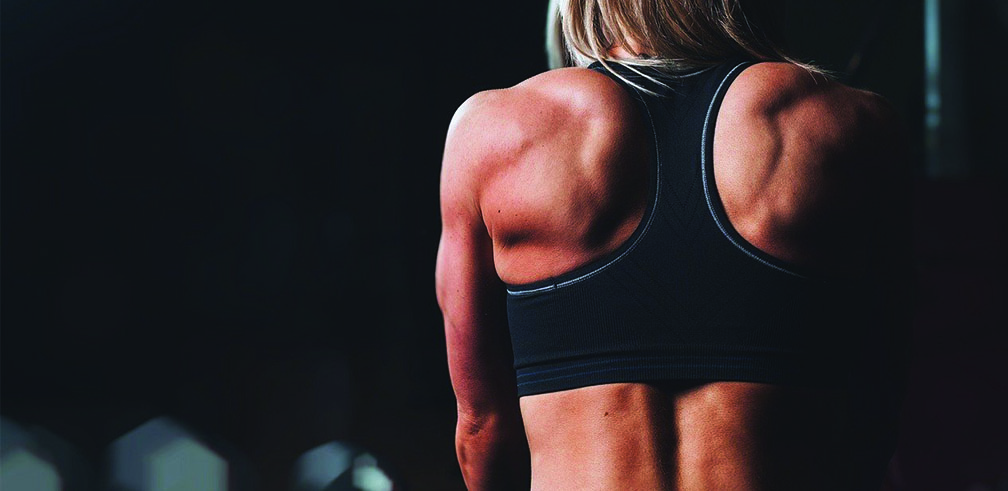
(471,296)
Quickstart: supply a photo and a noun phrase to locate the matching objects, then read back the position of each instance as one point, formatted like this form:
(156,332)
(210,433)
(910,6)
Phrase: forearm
(493,452)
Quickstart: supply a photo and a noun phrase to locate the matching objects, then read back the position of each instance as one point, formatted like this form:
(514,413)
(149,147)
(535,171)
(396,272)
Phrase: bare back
(567,184)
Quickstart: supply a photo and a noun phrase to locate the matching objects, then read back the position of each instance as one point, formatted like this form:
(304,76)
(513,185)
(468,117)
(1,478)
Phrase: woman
(689,237)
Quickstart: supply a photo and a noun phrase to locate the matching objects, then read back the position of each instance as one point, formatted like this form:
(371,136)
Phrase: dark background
(226,213)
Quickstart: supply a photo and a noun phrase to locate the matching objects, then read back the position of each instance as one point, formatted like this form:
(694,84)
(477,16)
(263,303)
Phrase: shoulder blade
(795,158)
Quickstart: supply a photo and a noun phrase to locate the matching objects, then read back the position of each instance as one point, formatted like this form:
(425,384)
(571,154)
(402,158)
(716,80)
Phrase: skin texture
(550,174)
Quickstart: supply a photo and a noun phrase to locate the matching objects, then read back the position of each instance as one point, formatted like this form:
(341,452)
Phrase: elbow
(475,431)
(470,446)
(474,445)
(483,423)
(492,452)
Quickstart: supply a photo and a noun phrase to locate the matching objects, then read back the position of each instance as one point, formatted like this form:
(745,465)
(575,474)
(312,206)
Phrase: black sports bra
(686,297)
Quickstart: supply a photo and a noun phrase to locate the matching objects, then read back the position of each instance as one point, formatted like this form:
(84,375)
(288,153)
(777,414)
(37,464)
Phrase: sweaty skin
(550,174)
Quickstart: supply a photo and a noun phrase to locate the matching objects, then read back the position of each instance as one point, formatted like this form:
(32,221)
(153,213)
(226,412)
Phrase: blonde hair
(672,35)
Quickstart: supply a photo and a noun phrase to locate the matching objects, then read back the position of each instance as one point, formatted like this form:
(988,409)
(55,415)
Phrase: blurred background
(220,220)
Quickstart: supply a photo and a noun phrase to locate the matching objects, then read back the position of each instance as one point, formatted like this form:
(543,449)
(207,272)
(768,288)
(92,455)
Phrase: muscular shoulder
(571,109)
(800,103)
(797,155)
(499,122)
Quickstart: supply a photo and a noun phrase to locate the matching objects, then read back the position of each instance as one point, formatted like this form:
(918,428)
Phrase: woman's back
(678,436)
(557,171)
